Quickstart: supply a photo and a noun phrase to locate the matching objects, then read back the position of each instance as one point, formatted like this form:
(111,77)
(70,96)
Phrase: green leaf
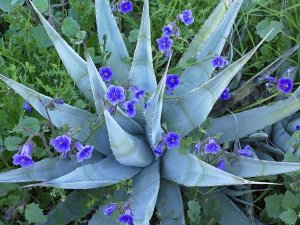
(5,188)
(7,5)
(142,73)
(194,211)
(128,149)
(107,27)
(70,27)
(39,34)
(34,214)
(99,174)
(44,170)
(28,125)
(289,201)
(169,204)
(265,26)
(41,5)
(209,42)
(273,204)
(289,217)
(12,143)
(74,64)
(194,172)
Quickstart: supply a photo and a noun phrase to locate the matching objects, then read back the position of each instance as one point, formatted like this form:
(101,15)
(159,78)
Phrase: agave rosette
(125,145)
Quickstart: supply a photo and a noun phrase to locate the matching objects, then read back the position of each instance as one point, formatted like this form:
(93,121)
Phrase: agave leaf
(128,149)
(250,167)
(185,115)
(64,115)
(108,30)
(100,174)
(46,169)
(281,138)
(229,213)
(190,171)
(142,73)
(238,126)
(153,114)
(144,194)
(99,218)
(209,42)
(169,204)
(74,64)
(74,207)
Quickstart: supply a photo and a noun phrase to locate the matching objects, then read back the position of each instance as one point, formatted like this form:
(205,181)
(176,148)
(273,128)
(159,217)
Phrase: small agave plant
(141,142)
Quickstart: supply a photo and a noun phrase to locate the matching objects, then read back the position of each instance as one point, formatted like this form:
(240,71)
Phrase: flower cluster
(219,62)
(285,85)
(126,218)
(172,81)
(170,141)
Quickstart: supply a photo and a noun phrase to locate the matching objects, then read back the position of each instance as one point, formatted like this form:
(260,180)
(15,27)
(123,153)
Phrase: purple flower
(171,82)
(84,152)
(225,95)
(168,30)
(125,6)
(27,107)
(61,143)
(221,164)
(126,218)
(246,151)
(23,157)
(106,74)
(172,140)
(109,209)
(115,94)
(218,61)
(137,92)
(59,101)
(197,148)
(270,79)
(285,85)
(211,147)
(298,127)
(158,150)
(164,43)
(186,17)
(129,106)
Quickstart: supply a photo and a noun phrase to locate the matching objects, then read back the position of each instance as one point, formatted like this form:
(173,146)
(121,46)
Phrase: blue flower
(158,150)
(164,43)
(61,143)
(129,106)
(23,157)
(172,81)
(225,95)
(169,29)
(197,148)
(298,127)
(246,151)
(186,17)
(221,164)
(106,74)
(27,107)
(109,209)
(285,85)
(84,152)
(115,94)
(126,218)
(59,101)
(270,79)
(172,140)
(137,92)
(125,6)
(218,61)
(211,147)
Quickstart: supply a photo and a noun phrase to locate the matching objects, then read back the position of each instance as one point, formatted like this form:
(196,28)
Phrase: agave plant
(125,145)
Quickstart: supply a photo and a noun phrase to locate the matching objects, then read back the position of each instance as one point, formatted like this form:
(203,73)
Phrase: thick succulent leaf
(144,194)
(74,64)
(169,204)
(74,207)
(250,167)
(99,218)
(128,149)
(153,114)
(281,138)
(107,26)
(188,170)
(46,169)
(64,115)
(100,174)
(142,73)
(239,126)
(229,213)
(190,110)
(209,42)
